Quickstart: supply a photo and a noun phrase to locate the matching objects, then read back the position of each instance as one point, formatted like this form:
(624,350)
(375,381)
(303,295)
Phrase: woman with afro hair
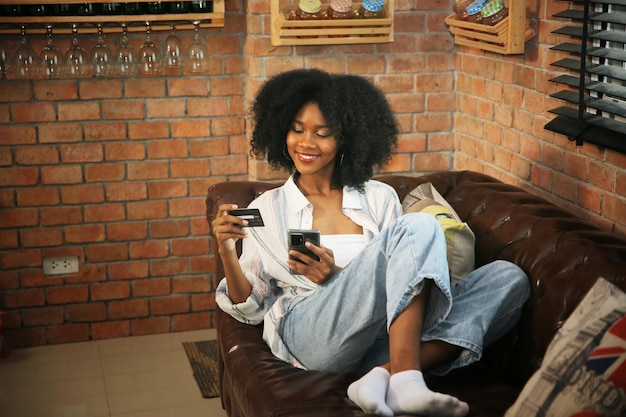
(374,298)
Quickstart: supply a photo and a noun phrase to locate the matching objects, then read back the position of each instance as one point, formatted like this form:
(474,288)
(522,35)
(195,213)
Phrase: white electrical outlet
(65,265)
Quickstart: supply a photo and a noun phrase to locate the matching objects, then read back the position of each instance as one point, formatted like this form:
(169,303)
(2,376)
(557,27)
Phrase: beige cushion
(459,237)
(583,372)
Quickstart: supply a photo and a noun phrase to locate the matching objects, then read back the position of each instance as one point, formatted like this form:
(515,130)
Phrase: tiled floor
(144,376)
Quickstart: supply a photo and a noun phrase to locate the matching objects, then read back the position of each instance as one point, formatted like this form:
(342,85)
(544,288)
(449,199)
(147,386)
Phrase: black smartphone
(297,238)
(253,216)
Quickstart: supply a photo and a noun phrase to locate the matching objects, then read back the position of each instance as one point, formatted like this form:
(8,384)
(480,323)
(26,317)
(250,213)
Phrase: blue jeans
(343,326)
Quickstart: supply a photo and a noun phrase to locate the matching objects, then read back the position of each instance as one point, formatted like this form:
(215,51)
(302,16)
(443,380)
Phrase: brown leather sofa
(561,254)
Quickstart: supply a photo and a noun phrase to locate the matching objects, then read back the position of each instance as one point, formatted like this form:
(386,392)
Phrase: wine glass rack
(111,23)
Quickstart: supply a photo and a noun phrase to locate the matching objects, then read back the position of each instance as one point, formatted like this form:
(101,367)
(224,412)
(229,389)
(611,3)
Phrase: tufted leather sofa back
(562,255)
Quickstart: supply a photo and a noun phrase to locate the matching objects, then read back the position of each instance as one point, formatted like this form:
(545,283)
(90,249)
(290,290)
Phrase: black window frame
(595,98)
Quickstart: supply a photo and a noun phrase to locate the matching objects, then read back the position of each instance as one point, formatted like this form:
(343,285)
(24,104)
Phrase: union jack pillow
(583,373)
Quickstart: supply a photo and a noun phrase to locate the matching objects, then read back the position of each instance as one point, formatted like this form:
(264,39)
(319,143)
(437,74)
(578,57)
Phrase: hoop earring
(341,159)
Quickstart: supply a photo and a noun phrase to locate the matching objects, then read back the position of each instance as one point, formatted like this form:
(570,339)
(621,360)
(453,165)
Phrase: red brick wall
(115,171)
(502,105)
(416,71)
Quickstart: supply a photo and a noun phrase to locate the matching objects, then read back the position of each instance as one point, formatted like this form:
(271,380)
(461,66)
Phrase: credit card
(253,216)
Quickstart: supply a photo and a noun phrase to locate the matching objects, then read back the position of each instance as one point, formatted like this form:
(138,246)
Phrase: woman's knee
(511,276)
(498,274)
(419,222)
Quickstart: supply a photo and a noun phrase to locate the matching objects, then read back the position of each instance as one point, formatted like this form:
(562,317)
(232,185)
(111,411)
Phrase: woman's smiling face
(310,142)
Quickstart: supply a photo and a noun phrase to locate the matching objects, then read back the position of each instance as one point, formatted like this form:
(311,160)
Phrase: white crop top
(344,247)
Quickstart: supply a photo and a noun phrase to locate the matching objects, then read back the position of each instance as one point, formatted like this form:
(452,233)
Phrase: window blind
(593,83)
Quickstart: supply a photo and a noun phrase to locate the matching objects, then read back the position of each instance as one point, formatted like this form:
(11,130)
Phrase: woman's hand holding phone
(309,258)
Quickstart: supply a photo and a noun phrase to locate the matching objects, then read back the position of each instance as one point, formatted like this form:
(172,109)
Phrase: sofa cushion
(584,369)
(460,239)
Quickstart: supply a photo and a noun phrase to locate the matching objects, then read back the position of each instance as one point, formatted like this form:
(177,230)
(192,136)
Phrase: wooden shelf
(329,32)
(507,37)
(110,23)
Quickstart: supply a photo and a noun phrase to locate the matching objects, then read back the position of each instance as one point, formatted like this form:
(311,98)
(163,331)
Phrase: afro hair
(355,110)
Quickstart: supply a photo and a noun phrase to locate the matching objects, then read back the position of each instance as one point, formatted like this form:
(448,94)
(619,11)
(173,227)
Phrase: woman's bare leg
(399,387)
(407,391)
(427,355)
(370,391)
(434,353)
(405,334)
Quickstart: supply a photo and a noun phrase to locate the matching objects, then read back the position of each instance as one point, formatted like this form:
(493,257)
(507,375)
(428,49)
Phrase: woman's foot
(369,392)
(408,394)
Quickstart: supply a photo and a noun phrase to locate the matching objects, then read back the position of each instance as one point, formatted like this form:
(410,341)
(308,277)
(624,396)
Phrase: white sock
(408,394)
(370,390)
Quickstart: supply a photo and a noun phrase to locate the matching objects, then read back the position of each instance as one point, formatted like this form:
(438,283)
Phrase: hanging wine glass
(51,59)
(127,61)
(197,53)
(25,59)
(173,50)
(149,56)
(4,62)
(76,57)
(101,57)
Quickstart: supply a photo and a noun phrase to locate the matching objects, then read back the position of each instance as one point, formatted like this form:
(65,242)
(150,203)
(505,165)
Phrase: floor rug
(203,360)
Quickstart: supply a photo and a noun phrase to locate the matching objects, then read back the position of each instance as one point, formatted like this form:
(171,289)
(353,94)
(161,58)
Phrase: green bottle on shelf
(86,9)
(177,7)
(154,7)
(201,6)
(63,9)
(132,8)
(38,10)
(111,8)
